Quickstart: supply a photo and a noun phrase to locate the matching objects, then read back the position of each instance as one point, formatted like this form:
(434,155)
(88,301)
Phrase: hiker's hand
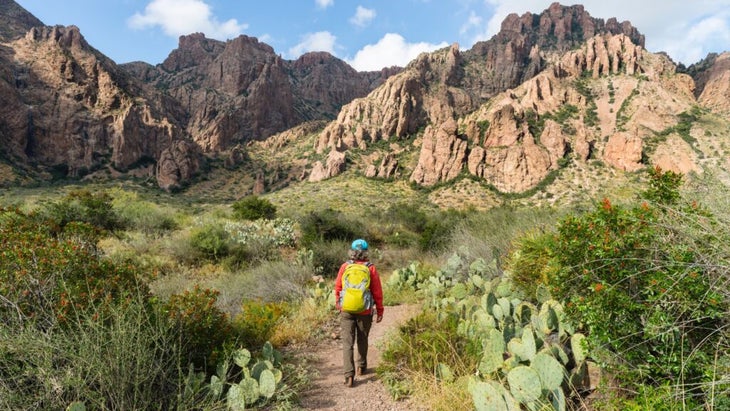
(379,318)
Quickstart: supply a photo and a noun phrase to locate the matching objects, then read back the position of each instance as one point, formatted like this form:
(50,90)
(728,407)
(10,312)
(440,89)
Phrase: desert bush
(128,361)
(147,217)
(206,328)
(329,225)
(253,208)
(210,241)
(531,262)
(257,321)
(44,276)
(651,302)
(424,344)
(328,256)
(94,208)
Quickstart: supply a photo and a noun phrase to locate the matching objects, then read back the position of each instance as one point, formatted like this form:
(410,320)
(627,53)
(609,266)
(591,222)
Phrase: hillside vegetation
(609,304)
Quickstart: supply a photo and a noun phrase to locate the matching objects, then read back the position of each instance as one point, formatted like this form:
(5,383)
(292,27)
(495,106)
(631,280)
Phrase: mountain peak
(15,21)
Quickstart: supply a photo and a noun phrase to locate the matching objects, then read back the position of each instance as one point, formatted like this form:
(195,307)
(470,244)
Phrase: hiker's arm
(338,285)
(377,290)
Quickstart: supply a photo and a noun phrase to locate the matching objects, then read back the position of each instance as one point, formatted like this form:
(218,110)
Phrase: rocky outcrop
(713,83)
(623,151)
(388,167)
(442,154)
(71,108)
(177,165)
(521,135)
(15,21)
(239,91)
(442,86)
(602,56)
(334,165)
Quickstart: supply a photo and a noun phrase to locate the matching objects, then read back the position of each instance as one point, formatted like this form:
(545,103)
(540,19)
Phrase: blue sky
(368,34)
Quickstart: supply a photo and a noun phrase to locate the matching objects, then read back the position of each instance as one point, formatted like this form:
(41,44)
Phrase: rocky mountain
(547,90)
(241,90)
(550,91)
(71,111)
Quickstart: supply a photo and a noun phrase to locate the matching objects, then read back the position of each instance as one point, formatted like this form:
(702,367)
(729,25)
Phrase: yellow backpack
(355,296)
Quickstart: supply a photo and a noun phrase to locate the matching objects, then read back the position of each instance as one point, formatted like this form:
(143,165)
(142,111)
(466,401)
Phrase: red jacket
(376,288)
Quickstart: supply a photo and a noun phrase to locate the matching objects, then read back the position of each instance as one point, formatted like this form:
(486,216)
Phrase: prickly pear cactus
(524,384)
(551,372)
(493,352)
(524,348)
(267,384)
(242,357)
(486,397)
(76,406)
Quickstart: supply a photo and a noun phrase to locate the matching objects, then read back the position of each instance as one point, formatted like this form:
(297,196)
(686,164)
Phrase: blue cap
(360,244)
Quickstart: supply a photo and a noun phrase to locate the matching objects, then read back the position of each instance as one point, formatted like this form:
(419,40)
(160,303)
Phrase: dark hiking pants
(354,328)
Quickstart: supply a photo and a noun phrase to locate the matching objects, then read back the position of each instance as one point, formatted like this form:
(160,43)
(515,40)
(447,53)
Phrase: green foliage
(254,208)
(95,209)
(438,229)
(44,277)
(147,217)
(642,296)
(128,361)
(255,324)
(211,241)
(329,225)
(621,117)
(530,262)
(663,186)
(205,326)
(425,344)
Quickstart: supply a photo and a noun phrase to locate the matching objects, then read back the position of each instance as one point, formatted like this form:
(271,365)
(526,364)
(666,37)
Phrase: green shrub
(530,264)
(423,344)
(254,208)
(257,321)
(44,277)
(328,256)
(640,292)
(84,206)
(204,326)
(330,225)
(211,241)
(147,217)
(437,231)
(128,361)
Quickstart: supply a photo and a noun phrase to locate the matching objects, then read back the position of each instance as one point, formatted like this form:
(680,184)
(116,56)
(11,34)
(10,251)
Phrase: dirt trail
(368,393)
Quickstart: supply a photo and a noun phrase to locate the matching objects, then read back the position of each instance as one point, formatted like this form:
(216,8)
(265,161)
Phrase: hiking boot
(349,381)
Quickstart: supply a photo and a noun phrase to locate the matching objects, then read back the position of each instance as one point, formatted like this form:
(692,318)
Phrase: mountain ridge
(428,123)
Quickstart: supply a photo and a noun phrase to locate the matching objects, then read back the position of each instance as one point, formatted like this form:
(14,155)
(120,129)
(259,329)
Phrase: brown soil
(368,393)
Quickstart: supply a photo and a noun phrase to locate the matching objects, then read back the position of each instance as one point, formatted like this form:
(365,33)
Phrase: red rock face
(241,90)
(70,107)
(713,84)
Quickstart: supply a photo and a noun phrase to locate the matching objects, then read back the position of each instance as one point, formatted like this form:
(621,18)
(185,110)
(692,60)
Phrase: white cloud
(709,34)
(391,50)
(363,16)
(179,17)
(324,3)
(686,30)
(472,22)
(320,41)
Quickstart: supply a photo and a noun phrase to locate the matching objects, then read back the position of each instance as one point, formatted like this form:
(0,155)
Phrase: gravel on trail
(328,392)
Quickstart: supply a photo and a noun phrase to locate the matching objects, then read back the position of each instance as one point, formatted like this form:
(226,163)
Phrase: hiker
(357,289)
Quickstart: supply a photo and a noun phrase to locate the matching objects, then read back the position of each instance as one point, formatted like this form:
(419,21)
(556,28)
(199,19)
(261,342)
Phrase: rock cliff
(241,90)
(72,109)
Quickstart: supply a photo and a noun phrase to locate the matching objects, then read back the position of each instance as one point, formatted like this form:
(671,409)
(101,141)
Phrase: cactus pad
(524,384)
